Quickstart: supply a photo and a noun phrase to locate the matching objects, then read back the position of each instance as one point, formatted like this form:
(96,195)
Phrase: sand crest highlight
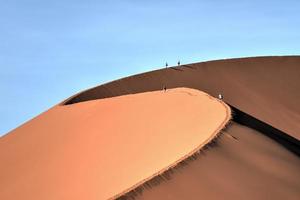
(103,148)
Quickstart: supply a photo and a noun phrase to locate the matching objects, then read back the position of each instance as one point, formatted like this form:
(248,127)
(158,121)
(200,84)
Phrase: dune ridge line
(102,149)
(213,136)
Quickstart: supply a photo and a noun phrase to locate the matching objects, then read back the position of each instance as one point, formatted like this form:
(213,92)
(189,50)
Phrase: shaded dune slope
(242,164)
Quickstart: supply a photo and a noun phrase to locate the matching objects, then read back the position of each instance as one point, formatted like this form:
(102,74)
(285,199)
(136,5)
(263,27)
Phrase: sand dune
(103,148)
(264,87)
(251,159)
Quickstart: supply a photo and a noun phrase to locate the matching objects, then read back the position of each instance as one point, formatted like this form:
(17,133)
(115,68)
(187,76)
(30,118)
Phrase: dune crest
(101,149)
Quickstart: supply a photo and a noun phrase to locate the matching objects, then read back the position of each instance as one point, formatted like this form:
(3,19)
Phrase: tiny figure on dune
(220,96)
(167,65)
(165,88)
(178,63)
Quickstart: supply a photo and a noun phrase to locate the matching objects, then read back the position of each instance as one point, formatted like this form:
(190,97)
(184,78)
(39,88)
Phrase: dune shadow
(287,141)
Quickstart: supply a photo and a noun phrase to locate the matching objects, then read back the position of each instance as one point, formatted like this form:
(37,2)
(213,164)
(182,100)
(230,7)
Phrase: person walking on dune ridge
(220,96)
(165,87)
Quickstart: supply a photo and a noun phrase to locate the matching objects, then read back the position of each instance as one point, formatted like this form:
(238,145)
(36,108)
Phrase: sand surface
(252,166)
(244,164)
(264,87)
(98,149)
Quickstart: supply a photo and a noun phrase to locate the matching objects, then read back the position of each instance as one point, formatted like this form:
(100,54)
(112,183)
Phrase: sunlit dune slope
(102,148)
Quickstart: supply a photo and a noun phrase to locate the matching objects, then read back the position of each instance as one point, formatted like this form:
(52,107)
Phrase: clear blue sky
(50,50)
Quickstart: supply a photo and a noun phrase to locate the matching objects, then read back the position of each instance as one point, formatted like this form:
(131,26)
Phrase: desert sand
(244,163)
(103,148)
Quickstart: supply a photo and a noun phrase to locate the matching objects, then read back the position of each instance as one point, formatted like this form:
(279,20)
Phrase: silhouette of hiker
(178,63)
(220,96)
(165,88)
(167,65)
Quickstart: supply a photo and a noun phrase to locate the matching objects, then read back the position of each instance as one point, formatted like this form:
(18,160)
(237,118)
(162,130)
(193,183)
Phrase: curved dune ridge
(266,88)
(101,149)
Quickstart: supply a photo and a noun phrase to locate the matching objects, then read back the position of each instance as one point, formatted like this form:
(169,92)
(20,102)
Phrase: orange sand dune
(102,148)
(249,161)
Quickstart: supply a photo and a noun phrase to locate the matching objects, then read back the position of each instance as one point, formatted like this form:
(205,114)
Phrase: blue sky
(50,50)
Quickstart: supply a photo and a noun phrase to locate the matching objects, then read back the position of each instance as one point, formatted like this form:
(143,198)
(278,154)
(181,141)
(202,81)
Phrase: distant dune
(79,149)
(264,87)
